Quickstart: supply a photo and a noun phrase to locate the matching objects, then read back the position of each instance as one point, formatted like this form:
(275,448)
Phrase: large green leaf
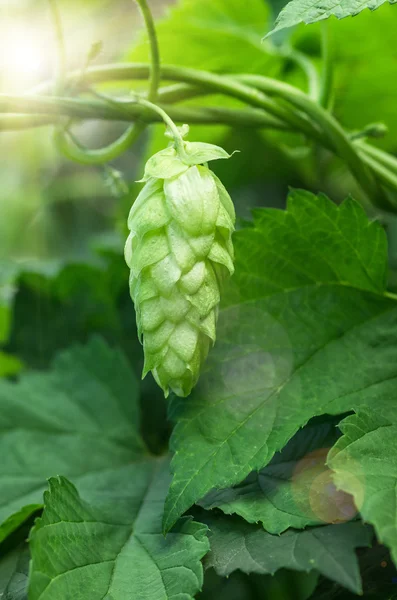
(294,490)
(111,546)
(308,331)
(365,465)
(81,419)
(329,549)
(311,11)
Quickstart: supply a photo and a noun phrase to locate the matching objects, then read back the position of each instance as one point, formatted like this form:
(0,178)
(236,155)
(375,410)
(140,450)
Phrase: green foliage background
(306,340)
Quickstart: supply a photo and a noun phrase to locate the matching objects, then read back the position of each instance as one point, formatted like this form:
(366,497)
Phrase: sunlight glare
(21,53)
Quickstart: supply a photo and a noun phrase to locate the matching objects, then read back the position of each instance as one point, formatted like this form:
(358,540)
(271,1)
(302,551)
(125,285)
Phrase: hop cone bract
(179,251)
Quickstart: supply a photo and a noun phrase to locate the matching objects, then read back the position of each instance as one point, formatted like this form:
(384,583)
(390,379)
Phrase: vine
(270,103)
(64,139)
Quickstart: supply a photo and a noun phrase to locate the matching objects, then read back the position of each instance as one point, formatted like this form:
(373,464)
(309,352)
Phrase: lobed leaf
(308,331)
(80,419)
(111,545)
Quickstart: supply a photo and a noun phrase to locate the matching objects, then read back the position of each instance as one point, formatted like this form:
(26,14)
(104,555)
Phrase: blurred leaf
(9,365)
(225,26)
(115,548)
(329,549)
(80,419)
(365,86)
(53,311)
(294,490)
(7,292)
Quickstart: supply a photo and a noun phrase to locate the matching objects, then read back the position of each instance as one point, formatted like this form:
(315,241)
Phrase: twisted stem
(273,104)
(66,142)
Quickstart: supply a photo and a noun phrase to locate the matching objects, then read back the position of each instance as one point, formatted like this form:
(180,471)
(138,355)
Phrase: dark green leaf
(14,570)
(112,547)
(329,549)
(378,575)
(283,585)
(53,311)
(294,490)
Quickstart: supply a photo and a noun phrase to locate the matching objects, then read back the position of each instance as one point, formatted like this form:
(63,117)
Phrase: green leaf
(365,465)
(305,309)
(283,585)
(311,11)
(15,520)
(313,242)
(14,569)
(370,95)
(7,291)
(329,549)
(80,419)
(54,310)
(111,546)
(294,490)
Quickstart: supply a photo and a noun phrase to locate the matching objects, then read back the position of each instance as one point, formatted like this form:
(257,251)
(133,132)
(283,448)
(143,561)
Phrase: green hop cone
(179,252)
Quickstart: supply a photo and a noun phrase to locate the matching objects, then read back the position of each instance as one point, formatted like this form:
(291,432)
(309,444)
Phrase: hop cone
(179,252)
